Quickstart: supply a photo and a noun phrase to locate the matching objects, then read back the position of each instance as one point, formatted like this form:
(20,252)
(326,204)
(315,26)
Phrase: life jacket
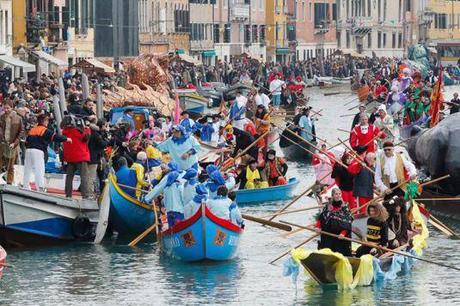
(278,167)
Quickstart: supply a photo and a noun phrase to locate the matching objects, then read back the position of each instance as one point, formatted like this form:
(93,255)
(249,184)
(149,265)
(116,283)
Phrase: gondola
(2,261)
(275,193)
(202,237)
(294,148)
(334,269)
(128,216)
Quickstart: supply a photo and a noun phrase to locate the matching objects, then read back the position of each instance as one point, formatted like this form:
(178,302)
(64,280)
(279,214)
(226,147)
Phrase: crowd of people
(161,162)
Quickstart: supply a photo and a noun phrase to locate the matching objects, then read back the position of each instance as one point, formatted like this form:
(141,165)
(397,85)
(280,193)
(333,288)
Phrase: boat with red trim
(204,236)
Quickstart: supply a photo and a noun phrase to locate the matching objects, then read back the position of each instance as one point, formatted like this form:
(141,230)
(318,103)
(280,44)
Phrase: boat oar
(145,233)
(371,245)
(342,130)
(437,199)
(133,188)
(439,223)
(356,155)
(292,211)
(277,225)
(296,247)
(347,115)
(298,197)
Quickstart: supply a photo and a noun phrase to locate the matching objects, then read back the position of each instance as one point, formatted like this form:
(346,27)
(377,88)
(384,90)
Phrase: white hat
(382,107)
(141,156)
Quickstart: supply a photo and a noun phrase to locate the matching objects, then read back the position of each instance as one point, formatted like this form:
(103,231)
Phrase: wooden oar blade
(277,225)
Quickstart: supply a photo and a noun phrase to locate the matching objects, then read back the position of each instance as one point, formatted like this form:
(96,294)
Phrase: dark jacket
(97,144)
(363,183)
(126,176)
(40,137)
(343,178)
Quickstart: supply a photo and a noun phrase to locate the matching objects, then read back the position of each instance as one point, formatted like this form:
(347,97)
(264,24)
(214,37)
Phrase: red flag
(437,100)
(177,110)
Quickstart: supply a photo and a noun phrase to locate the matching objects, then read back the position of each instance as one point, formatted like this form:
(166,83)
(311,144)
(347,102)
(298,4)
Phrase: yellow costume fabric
(251,177)
(140,171)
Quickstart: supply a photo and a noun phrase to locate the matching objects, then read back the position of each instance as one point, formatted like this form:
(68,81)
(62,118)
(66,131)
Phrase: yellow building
(19,24)
(276,19)
(443,26)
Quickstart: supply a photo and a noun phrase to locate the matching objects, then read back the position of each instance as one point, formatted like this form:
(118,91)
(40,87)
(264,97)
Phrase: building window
(379,40)
(216,33)
(262,34)
(393,41)
(379,10)
(321,15)
(369,40)
(247,33)
(334,11)
(369,8)
(384,44)
(400,40)
(304,54)
(227,33)
(255,33)
(440,21)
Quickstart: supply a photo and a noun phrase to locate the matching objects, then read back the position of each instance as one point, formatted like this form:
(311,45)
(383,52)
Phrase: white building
(380,26)
(6,27)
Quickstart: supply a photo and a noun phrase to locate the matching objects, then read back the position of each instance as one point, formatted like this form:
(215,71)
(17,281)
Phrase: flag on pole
(437,100)
(177,110)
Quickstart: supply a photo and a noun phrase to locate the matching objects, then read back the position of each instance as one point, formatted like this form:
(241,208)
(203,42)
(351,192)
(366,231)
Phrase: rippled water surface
(115,274)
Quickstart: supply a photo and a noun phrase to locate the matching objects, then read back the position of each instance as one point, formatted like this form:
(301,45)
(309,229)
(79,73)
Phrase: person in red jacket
(380,91)
(365,134)
(76,156)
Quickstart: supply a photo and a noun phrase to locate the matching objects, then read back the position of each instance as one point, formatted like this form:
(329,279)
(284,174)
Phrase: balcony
(240,12)
(361,25)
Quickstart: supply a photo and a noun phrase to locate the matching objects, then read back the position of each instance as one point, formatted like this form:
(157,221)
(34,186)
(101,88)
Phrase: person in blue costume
(126,176)
(189,125)
(182,147)
(235,214)
(191,181)
(200,197)
(172,188)
(223,207)
(207,131)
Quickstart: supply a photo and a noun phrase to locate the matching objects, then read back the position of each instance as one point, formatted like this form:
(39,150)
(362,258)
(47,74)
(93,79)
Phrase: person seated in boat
(398,222)
(377,229)
(363,182)
(139,168)
(344,179)
(200,197)
(182,147)
(335,218)
(380,91)
(385,123)
(249,177)
(275,169)
(235,214)
(262,119)
(191,181)
(362,110)
(126,177)
(393,169)
(323,162)
(242,141)
(223,207)
(173,194)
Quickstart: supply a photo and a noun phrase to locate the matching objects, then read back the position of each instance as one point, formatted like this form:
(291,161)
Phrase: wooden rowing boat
(324,265)
(275,193)
(128,215)
(202,237)
(295,149)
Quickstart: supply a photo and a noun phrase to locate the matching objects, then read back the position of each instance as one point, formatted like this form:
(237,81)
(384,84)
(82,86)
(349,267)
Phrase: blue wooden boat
(127,214)
(275,193)
(202,237)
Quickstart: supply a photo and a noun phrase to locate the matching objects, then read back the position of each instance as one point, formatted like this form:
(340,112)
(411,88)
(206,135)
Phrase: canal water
(115,274)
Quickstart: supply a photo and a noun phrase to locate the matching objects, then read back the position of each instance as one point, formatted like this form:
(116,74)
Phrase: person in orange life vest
(344,179)
(76,154)
(391,170)
(364,134)
(322,163)
(276,169)
(363,182)
(37,142)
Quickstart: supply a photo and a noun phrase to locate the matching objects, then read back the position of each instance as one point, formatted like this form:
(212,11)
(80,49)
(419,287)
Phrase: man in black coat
(97,144)
(244,140)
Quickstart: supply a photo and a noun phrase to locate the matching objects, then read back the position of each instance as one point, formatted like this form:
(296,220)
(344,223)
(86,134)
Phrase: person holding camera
(76,154)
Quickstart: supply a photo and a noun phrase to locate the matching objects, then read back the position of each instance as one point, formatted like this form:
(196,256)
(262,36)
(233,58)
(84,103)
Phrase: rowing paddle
(371,245)
(145,233)
(296,247)
(277,225)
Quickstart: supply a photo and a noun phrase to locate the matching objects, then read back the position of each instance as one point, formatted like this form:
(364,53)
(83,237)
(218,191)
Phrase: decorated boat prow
(274,193)
(128,216)
(204,236)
